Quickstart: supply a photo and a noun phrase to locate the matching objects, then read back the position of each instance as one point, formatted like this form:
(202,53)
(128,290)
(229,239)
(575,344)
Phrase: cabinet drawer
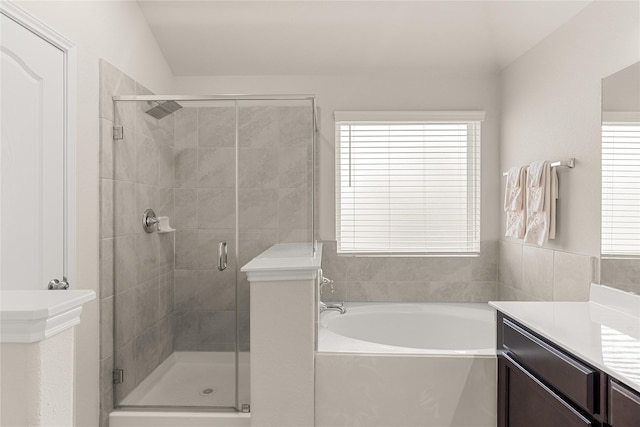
(624,406)
(570,377)
(524,401)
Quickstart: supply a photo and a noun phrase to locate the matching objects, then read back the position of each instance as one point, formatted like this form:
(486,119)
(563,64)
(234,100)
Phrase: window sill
(408,255)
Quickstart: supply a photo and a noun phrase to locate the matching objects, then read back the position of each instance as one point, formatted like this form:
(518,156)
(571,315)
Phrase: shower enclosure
(233,175)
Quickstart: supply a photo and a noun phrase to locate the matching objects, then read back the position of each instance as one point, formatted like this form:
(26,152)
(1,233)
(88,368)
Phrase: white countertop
(600,332)
(33,315)
(285,261)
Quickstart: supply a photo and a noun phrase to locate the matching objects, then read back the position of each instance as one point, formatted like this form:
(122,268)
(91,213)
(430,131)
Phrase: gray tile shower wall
(274,190)
(412,279)
(623,273)
(136,268)
(531,273)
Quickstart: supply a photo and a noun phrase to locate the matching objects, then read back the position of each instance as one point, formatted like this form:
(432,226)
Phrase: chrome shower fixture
(162,109)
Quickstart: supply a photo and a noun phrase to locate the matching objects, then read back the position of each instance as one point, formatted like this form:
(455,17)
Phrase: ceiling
(337,37)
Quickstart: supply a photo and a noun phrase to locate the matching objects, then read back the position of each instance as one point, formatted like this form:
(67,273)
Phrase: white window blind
(408,183)
(621,188)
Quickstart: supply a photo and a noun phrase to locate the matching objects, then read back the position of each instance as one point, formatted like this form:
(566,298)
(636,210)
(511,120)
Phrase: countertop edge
(32,315)
(504,307)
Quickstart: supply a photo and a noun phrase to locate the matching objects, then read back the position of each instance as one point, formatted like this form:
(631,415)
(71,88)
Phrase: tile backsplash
(623,273)
(531,273)
(412,279)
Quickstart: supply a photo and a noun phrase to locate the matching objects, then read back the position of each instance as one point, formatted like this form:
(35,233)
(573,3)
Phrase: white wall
(117,32)
(551,110)
(621,91)
(450,91)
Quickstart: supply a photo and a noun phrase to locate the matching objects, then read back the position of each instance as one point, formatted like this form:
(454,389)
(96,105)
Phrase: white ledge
(284,262)
(34,315)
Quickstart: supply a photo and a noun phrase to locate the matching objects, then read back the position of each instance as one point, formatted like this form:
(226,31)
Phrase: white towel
(541,196)
(554,200)
(513,194)
(534,173)
(514,202)
(536,186)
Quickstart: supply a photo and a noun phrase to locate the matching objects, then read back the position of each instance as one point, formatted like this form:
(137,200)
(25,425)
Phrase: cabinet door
(33,158)
(523,401)
(624,406)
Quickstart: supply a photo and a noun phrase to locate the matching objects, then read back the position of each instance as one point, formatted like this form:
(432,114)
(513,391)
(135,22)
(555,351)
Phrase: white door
(32,159)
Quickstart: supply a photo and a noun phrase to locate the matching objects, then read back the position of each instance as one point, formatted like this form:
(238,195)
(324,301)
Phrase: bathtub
(388,364)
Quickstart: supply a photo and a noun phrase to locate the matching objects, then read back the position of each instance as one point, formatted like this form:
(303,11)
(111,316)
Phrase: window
(408,183)
(621,188)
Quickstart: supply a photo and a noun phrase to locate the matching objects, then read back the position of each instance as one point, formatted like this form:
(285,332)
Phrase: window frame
(474,165)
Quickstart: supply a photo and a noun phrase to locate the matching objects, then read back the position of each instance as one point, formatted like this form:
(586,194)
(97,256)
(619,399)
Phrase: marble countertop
(601,332)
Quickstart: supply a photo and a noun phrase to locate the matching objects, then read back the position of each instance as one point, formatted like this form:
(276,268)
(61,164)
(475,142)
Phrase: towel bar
(571,163)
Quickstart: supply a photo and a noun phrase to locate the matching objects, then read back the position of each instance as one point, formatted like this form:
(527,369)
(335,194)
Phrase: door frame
(70,100)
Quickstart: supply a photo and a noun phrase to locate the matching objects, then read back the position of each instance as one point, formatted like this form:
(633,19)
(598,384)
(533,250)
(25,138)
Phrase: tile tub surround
(274,190)
(531,273)
(623,273)
(412,279)
(136,268)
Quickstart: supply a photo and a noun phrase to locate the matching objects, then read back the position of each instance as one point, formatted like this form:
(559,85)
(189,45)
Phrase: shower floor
(195,378)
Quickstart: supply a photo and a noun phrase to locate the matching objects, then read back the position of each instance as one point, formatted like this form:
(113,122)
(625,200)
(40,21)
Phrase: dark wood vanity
(541,384)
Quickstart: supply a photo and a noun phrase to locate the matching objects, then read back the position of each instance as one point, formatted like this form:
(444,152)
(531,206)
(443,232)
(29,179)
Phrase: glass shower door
(175,317)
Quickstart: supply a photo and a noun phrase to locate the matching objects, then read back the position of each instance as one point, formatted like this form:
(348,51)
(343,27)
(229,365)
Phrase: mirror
(620,226)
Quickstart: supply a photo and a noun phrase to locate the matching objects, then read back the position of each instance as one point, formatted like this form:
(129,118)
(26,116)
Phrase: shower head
(162,109)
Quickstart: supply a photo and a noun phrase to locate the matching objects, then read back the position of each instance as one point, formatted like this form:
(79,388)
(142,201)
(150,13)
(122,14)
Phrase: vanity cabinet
(539,384)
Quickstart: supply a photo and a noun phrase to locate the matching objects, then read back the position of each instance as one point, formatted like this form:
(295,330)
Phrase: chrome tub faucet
(337,306)
(330,306)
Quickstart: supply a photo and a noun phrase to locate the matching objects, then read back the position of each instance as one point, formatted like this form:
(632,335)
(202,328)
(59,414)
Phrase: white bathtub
(407,365)
(452,329)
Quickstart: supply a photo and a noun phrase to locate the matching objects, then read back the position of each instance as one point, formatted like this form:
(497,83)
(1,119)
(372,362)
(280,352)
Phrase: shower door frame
(235,98)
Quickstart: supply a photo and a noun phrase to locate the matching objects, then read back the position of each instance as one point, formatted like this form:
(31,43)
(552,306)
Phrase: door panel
(32,123)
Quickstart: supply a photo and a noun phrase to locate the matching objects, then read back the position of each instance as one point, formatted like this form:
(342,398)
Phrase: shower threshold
(193,378)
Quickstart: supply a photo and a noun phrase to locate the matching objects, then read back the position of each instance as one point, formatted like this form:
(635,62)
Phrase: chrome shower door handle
(222,255)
